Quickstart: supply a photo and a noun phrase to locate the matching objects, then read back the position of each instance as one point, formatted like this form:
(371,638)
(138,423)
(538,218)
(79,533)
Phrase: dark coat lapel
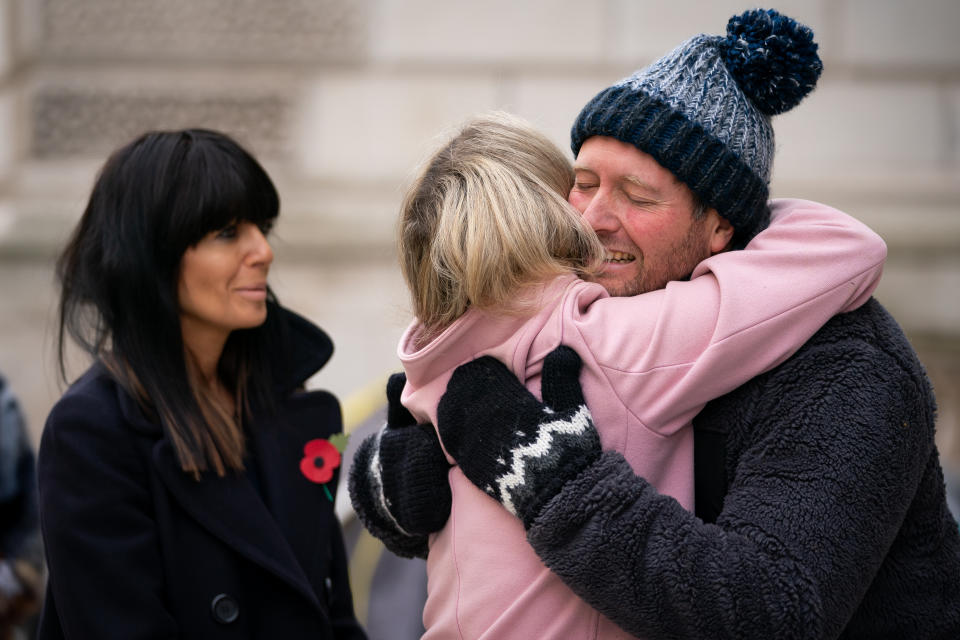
(230,509)
(299,507)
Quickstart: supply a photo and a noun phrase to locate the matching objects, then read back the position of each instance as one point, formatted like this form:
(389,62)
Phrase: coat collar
(301,349)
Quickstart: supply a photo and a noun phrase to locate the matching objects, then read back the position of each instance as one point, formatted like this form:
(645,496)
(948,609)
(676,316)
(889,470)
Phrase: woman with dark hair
(186,479)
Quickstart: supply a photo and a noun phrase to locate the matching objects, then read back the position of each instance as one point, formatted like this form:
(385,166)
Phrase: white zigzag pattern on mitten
(575,425)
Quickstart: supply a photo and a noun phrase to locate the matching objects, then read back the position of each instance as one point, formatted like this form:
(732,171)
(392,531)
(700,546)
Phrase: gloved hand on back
(517,449)
(398,480)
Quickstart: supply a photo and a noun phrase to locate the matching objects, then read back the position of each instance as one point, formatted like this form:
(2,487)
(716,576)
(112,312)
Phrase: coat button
(225,608)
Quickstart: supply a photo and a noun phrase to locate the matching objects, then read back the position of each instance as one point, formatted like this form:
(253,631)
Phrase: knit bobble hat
(703,111)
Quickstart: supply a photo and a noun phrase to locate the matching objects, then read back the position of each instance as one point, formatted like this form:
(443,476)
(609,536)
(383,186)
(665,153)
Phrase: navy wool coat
(139,549)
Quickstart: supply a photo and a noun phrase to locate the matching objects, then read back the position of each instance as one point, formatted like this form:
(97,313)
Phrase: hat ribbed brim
(683,147)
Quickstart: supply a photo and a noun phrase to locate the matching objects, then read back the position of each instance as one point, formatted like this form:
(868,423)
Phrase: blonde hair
(486,217)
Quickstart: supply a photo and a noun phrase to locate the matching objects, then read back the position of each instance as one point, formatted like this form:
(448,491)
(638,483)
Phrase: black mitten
(517,449)
(398,480)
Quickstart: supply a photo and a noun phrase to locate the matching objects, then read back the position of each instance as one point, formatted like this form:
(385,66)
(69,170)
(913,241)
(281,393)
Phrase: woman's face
(223,283)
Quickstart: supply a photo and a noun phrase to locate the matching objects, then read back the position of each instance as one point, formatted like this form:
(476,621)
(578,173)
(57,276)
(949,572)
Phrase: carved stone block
(253,30)
(71,121)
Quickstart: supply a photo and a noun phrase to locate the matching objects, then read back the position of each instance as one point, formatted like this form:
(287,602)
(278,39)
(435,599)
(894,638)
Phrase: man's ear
(721,231)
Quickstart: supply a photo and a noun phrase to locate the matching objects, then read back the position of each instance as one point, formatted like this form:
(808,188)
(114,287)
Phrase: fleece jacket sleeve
(823,484)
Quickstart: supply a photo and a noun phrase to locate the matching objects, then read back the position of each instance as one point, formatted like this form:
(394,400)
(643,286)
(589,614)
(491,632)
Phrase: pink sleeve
(667,353)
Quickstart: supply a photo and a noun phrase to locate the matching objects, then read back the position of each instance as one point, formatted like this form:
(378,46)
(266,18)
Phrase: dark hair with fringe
(153,199)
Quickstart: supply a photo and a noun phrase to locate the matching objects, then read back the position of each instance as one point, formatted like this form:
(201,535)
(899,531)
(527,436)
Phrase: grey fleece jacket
(834,521)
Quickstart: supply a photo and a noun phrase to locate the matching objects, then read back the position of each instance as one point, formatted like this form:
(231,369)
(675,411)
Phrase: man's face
(644,217)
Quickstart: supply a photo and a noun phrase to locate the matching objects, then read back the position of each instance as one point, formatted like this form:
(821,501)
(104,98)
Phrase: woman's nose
(259,250)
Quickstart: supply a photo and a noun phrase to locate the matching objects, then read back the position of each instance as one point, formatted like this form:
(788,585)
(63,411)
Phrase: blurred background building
(342,98)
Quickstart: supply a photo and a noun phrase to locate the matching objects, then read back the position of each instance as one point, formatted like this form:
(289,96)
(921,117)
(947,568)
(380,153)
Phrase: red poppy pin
(321,458)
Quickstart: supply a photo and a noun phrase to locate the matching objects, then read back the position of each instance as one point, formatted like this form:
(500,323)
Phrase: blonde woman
(498,263)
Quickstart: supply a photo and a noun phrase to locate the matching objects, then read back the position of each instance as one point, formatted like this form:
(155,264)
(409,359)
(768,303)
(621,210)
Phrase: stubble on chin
(633,287)
(680,261)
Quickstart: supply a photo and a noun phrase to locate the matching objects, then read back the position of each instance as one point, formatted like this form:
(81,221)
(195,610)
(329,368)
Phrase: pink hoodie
(650,364)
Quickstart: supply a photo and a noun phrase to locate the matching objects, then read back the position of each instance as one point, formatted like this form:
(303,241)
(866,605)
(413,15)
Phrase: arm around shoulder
(813,248)
(742,313)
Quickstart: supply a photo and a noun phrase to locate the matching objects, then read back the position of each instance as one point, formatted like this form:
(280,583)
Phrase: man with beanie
(820,506)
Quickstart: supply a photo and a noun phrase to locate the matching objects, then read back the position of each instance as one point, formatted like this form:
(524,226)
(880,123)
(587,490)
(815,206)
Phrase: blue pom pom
(773,58)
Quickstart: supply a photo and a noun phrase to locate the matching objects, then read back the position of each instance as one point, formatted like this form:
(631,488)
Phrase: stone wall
(342,98)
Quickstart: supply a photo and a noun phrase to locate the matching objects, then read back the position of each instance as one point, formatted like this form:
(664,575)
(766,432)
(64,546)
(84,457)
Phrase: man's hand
(515,448)
(398,480)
